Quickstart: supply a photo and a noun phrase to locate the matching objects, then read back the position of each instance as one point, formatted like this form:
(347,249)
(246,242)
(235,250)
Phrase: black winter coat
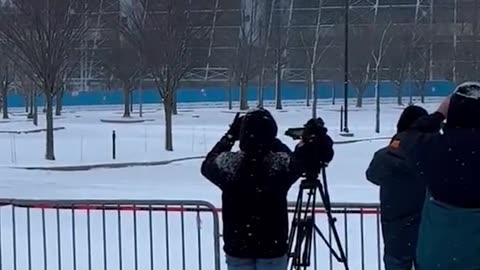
(402,195)
(449,163)
(254,198)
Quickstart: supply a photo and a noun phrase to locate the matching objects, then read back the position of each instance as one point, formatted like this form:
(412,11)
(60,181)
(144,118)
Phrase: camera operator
(449,235)
(255,183)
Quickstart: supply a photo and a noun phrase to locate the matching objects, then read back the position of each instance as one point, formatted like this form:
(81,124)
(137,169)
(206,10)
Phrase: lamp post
(346,71)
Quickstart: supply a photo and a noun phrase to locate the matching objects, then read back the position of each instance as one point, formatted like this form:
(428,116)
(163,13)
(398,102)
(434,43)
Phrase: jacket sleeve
(210,166)
(377,169)
(429,124)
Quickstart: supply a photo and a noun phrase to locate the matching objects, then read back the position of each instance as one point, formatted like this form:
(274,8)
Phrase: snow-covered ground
(87,140)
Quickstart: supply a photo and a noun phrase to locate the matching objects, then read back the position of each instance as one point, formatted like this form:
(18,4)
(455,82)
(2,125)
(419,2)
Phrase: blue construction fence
(290,91)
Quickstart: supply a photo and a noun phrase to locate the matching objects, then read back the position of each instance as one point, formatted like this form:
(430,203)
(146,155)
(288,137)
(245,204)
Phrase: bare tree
(315,56)
(378,52)
(360,61)
(420,72)
(45,35)
(398,63)
(7,77)
(121,63)
(250,52)
(267,26)
(133,28)
(169,50)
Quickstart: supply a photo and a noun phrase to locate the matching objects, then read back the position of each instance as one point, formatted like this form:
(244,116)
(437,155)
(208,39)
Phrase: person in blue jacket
(400,217)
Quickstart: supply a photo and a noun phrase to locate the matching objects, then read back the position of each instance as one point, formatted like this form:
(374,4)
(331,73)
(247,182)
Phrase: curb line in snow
(30,131)
(107,165)
(73,168)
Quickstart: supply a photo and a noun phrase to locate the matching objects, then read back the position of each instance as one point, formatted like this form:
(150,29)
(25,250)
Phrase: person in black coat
(254,183)
(402,195)
(449,163)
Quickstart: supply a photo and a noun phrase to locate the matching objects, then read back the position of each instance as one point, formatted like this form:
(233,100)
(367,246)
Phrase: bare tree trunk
(140,93)
(59,102)
(131,100)
(377,100)
(278,83)
(313,91)
(174,103)
(399,95)
(50,151)
(5,100)
(126,102)
(422,94)
(35,107)
(168,105)
(243,95)
(27,102)
(308,92)
(359,99)
(229,93)
(334,88)
(261,88)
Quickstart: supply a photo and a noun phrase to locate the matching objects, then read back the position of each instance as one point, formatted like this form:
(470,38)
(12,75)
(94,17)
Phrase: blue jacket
(402,195)
(449,238)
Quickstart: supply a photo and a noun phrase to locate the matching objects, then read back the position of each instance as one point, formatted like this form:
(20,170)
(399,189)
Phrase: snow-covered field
(86,140)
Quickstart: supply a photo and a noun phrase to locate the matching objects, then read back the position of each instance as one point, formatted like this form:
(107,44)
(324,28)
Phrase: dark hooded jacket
(254,184)
(449,236)
(391,170)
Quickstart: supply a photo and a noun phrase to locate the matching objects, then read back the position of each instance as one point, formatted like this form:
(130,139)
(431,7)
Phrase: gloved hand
(233,132)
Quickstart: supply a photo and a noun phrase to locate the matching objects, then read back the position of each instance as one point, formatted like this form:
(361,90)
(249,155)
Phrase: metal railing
(109,235)
(358,225)
(155,234)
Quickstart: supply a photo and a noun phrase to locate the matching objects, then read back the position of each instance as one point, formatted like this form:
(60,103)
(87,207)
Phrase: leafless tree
(281,38)
(378,53)
(360,63)
(59,94)
(398,62)
(134,30)
(420,71)
(314,56)
(45,36)
(266,58)
(7,77)
(247,62)
(121,63)
(170,38)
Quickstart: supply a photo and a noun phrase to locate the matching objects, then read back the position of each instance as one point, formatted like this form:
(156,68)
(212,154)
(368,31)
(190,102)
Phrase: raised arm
(215,165)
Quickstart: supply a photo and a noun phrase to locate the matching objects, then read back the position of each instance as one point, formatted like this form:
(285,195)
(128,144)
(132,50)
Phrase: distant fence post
(114,145)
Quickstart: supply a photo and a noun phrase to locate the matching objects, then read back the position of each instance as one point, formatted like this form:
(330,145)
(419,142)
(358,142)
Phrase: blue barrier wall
(290,91)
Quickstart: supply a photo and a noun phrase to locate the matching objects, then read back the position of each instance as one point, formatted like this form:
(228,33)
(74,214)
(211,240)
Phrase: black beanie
(258,132)
(409,116)
(464,109)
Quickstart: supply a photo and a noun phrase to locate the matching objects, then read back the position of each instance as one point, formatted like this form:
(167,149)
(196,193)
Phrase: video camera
(313,128)
(316,148)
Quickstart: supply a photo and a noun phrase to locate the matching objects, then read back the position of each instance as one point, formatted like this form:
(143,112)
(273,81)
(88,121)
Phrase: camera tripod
(303,226)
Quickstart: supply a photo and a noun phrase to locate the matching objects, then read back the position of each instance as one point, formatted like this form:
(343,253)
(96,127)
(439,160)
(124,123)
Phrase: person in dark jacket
(449,162)
(400,217)
(254,183)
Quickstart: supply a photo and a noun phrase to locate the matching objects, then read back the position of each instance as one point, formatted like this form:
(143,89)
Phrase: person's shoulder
(279,161)
(229,162)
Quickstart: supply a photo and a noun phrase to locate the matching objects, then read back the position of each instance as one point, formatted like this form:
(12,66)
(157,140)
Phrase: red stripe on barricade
(172,209)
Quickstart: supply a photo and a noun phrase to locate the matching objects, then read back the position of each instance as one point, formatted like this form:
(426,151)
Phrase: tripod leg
(331,220)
